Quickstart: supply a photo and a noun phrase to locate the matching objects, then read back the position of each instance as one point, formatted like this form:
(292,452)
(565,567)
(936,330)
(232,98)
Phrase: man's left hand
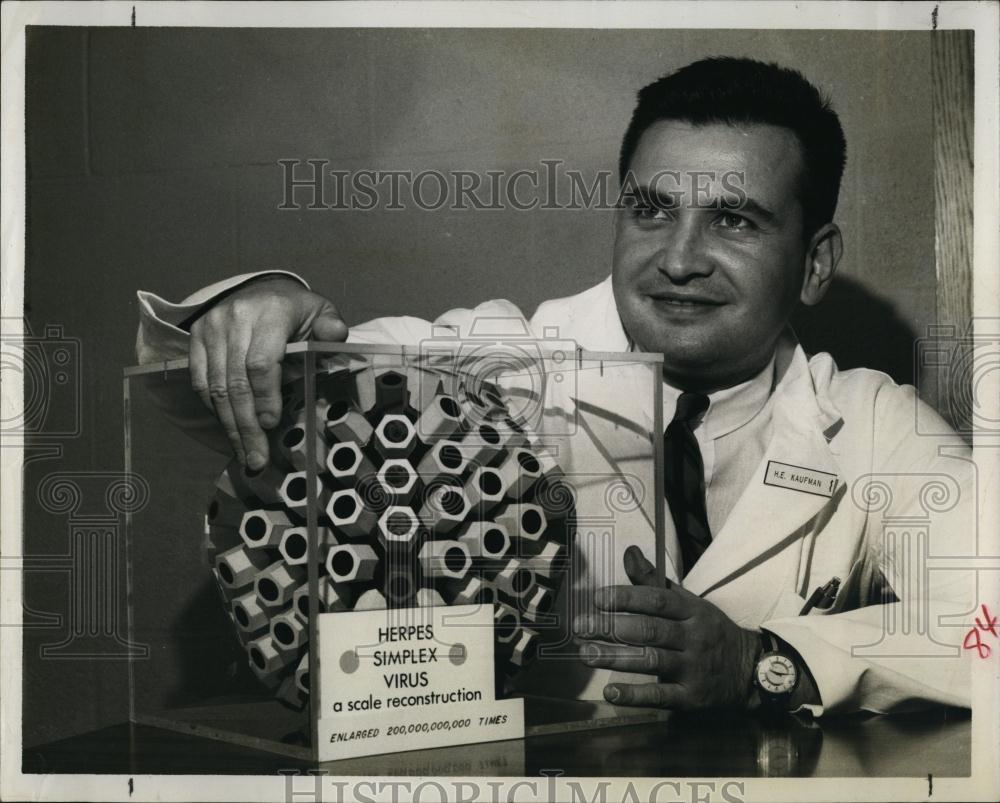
(701,657)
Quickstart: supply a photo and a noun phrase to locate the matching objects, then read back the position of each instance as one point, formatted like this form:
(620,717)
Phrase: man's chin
(691,366)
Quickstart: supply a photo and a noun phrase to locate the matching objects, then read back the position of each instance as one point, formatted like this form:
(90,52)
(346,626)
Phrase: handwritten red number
(974,639)
(991,621)
(977,643)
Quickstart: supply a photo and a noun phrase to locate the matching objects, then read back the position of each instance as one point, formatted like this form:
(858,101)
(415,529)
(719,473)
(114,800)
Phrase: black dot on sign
(349,662)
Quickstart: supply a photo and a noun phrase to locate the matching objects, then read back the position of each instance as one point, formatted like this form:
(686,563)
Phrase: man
(730,171)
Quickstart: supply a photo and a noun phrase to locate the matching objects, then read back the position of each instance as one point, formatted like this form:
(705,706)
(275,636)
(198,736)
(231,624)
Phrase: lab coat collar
(766,517)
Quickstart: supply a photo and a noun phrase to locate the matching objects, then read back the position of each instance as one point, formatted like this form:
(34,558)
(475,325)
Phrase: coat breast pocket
(864,585)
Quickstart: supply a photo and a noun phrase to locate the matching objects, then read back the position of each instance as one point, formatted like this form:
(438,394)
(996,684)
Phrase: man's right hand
(236,352)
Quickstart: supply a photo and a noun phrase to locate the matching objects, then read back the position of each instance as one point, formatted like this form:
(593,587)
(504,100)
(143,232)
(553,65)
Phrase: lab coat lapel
(767,516)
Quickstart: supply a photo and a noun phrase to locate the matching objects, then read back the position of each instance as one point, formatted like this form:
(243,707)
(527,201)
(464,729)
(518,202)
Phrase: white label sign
(797,478)
(409,679)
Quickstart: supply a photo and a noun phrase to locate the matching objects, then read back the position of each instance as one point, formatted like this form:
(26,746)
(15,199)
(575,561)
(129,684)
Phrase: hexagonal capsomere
(348,514)
(444,559)
(445,507)
(351,563)
(263,528)
(395,436)
(398,525)
(399,480)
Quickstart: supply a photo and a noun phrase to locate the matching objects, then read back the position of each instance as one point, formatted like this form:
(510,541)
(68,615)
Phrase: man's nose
(682,253)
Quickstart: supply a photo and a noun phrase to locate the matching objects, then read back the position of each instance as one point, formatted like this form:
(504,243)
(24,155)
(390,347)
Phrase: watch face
(776,674)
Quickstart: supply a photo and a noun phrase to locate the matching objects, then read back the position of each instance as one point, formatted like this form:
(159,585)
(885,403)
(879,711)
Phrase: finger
(665,602)
(641,572)
(325,324)
(241,398)
(631,629)
(626,658)
(218,391)
(263,367)
(198,367)
(650,695)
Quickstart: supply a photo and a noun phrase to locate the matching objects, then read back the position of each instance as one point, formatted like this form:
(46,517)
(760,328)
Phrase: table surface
(935,742)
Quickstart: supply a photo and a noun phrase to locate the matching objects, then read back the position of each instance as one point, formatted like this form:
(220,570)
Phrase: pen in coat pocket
(822,597)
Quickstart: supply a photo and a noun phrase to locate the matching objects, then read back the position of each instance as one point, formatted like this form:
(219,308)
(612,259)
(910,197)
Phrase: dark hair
(739,90)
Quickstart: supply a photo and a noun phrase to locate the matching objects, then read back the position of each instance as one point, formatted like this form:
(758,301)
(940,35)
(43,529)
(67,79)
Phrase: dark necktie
(684,480)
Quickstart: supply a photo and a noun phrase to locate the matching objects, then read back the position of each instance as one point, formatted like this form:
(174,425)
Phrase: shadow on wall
(860,330)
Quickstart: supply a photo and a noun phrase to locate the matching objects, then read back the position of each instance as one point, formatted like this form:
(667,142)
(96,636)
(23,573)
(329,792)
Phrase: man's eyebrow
(652,197)
(732,203)
(748,205)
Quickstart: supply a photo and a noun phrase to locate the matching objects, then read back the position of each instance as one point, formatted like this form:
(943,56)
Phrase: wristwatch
(775,675)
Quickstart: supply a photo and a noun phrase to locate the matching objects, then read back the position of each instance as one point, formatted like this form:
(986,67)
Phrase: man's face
(708,269)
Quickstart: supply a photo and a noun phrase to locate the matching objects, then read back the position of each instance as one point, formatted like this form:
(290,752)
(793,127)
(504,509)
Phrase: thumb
(640,571)
(328,325)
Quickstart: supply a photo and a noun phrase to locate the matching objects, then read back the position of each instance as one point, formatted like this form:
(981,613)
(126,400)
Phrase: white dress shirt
(732,435)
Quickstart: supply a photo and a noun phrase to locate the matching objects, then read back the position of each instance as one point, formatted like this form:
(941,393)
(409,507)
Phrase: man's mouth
(684,300)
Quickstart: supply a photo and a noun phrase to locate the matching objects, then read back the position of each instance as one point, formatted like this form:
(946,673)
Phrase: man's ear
(825,249)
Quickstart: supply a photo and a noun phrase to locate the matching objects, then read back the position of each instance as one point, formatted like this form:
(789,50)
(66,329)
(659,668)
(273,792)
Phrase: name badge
(796,478)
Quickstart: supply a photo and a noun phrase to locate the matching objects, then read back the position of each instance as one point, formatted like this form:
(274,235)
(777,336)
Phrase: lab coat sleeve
(160,338)
(904,654)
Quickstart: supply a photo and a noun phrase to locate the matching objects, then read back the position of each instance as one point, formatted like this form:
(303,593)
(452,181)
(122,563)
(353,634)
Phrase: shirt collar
(729,408)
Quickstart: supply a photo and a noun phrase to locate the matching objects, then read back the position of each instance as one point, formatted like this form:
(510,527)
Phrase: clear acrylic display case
(509,473)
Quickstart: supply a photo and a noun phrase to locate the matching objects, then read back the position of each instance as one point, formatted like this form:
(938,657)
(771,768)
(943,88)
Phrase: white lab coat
(899,496)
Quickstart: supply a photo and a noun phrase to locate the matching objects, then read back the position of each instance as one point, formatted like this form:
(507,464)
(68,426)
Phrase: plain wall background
(152,163)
